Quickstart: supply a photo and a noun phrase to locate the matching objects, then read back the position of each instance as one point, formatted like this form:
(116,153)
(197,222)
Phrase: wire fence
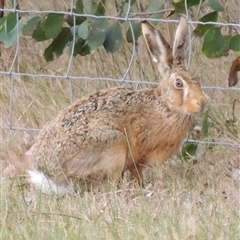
(130,18)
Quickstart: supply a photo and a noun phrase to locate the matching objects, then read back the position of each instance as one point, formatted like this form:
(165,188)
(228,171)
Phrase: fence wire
(130,18)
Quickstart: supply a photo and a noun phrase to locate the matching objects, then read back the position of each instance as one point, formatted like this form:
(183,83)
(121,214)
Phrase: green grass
(194,198)
(185,202)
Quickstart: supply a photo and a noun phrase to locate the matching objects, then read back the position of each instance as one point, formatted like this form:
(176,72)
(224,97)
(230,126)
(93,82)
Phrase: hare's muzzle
(197,105)
(201,103)
(195,98)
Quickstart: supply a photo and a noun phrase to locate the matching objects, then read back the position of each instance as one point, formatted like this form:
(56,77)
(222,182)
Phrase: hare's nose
(202,102)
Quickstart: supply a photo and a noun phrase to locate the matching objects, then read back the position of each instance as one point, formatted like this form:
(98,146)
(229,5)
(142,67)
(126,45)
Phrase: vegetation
(195,195)
(87,26)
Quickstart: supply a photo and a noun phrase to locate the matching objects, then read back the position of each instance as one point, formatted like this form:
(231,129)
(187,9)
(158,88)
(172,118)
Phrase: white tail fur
(46,185)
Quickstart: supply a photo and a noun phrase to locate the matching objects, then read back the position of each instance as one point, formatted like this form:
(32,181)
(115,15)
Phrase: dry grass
(197,198)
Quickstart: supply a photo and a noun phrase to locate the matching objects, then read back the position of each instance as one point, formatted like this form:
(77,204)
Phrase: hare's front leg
(136,173)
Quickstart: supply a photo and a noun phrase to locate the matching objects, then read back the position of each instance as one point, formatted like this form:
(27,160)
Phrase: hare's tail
(46,185)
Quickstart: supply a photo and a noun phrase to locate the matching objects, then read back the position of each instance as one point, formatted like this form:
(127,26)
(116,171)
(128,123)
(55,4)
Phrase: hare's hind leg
(112,162)
(109,165)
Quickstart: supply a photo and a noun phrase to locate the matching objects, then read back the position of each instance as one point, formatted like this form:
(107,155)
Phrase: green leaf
(180,5)
(188,150)
(30,25)
(210,17)
(85,50)
(90,7)
(11,21)
(114,38)
(101,8)
(38,34)
(12,36)
(154,6)
(78,20)
(83,30)
(79,6)
(205,125)
(215,5)
(96,39)
(234,43)
(193,2)
(10,29)
(55,49)
(125,7)
(99,24)
(3,32)
(98,33)
(77,46)
(52,24)
(80,47)
(227,38)
(2,22)
(136,31)
(214,43)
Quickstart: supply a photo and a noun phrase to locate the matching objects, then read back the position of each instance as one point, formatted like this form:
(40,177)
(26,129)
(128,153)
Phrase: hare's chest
(161,152)
(162,145)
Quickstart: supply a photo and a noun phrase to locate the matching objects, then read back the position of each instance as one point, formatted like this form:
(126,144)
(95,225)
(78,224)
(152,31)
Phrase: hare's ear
(158,47)
(179,40)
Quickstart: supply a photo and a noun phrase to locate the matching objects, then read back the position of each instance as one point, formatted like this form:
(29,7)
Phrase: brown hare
(102,135)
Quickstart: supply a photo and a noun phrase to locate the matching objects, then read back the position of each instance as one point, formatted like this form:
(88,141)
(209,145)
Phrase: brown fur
(109,132)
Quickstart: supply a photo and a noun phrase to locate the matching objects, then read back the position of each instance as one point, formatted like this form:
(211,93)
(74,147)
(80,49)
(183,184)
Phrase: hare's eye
(179,83)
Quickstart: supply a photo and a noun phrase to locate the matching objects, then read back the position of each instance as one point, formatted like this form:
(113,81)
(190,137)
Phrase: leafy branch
(86,34)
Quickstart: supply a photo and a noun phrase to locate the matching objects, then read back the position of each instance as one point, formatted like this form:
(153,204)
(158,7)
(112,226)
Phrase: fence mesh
(12,73)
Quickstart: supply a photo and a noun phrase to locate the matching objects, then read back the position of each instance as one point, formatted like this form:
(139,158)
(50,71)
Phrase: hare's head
(180,89)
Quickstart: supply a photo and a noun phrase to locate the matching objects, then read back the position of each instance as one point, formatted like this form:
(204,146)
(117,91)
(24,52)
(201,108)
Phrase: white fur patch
(46,185)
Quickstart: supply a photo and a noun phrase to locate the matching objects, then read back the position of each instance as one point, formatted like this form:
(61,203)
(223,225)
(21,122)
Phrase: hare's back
(109,108)
(99,118)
